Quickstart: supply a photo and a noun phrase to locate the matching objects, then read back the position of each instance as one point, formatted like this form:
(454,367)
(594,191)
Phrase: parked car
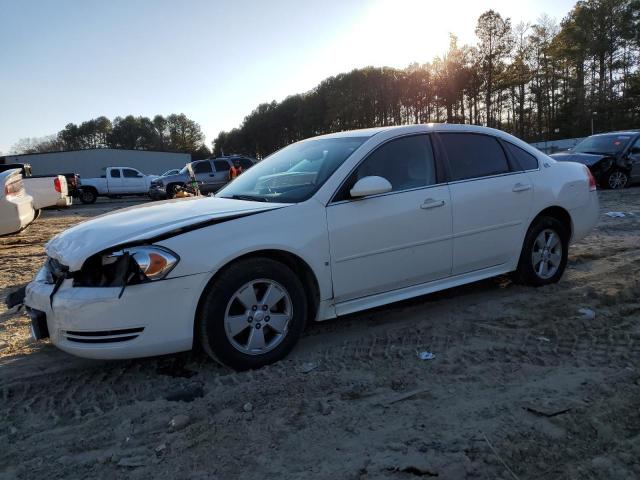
(389,214)
(16,209)
(613,158)
(211,175)
(117,181)
(46,190)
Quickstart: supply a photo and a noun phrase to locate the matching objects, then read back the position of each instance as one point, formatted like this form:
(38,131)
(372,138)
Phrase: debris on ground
(307,367)
(247,407)
(587,313)
(426,355)
(615,214)
(179,422)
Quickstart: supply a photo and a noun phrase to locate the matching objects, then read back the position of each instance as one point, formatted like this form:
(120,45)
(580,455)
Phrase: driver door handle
(431,203)
(521,187)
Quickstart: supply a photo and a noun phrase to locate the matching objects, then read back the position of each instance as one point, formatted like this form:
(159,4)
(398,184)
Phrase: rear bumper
(16,215)
(154,318)
(585,217)
(67,201)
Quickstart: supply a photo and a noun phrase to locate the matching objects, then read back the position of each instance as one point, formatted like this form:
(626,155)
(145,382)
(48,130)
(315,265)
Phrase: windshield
(602,144)
(294,173)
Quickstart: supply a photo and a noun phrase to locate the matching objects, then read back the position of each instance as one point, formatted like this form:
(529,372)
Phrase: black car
(613,158)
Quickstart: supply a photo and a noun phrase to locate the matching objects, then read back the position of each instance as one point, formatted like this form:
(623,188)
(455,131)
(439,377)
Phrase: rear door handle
(521,187)
(431,203)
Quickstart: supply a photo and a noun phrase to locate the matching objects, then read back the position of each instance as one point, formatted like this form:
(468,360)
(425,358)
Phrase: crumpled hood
(587,159)
(73,246)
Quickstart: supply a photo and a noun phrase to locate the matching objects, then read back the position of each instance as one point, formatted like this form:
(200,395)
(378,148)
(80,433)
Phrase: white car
(16,209)
(391,213)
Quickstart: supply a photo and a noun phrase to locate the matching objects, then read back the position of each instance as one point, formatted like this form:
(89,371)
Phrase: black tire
(210,320)
(171,190)
(527,273)
(88,196)
(616,179)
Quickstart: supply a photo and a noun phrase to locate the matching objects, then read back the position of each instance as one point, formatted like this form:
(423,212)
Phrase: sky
(213,60)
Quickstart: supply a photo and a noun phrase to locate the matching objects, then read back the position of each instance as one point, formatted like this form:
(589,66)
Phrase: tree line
(173,133)
(539,81)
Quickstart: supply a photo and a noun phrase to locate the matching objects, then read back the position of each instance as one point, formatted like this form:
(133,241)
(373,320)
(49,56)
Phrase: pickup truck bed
(47,191)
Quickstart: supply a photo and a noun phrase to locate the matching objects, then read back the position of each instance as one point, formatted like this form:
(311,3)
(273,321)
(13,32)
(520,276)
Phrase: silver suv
(211,174)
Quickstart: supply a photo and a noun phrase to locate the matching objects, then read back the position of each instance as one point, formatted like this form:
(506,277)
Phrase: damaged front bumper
(146,319)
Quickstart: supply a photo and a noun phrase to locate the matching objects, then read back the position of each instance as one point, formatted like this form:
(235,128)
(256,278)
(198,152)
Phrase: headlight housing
(126,266)
(154,263)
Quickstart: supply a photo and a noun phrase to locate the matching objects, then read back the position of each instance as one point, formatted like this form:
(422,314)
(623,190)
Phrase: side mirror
(370,186)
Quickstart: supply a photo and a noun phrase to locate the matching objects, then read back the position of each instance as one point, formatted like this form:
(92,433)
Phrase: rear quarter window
(524,159)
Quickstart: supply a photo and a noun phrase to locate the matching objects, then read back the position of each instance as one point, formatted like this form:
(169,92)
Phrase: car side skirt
(364,303)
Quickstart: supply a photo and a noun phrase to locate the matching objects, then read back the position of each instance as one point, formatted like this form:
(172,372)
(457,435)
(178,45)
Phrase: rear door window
(128,173)
(473,155)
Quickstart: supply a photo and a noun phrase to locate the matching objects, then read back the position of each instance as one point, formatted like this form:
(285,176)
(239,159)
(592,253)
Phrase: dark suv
(613,158)
(211,174)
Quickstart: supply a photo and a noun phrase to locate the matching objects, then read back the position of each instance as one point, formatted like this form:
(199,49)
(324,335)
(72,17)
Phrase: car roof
(423,127)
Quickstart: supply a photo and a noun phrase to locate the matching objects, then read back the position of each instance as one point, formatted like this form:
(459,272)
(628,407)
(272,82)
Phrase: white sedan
(377,216)
(16,209)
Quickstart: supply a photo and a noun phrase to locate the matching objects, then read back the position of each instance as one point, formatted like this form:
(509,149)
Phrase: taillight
(56,184)
(593,186)
(14,188)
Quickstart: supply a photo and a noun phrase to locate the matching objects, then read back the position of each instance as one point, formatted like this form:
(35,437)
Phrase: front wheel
(544,253)
(253,314)
(616,179)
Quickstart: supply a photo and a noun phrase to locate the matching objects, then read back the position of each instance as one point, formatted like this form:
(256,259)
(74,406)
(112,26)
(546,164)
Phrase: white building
(92,163)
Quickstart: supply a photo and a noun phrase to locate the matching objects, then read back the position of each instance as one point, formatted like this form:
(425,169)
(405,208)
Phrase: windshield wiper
(249,198)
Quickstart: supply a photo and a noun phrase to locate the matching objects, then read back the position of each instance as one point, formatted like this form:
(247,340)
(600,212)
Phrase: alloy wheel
(617,180)
(547,254)
(257,317)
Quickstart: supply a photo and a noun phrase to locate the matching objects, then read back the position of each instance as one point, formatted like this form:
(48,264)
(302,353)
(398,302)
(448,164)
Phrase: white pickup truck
(116,181)
(48,191)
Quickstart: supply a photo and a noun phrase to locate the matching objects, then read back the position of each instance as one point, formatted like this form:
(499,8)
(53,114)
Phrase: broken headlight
(128,266)
(154,263)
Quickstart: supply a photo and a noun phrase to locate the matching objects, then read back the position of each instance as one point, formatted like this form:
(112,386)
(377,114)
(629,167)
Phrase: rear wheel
(253,314)
(88,195)
(616,179)
(544,253)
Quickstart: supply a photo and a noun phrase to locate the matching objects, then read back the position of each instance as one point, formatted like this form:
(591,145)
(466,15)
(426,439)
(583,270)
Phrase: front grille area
(103,336)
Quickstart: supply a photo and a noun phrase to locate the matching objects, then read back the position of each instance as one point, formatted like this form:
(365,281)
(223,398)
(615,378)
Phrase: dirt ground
(522,385)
